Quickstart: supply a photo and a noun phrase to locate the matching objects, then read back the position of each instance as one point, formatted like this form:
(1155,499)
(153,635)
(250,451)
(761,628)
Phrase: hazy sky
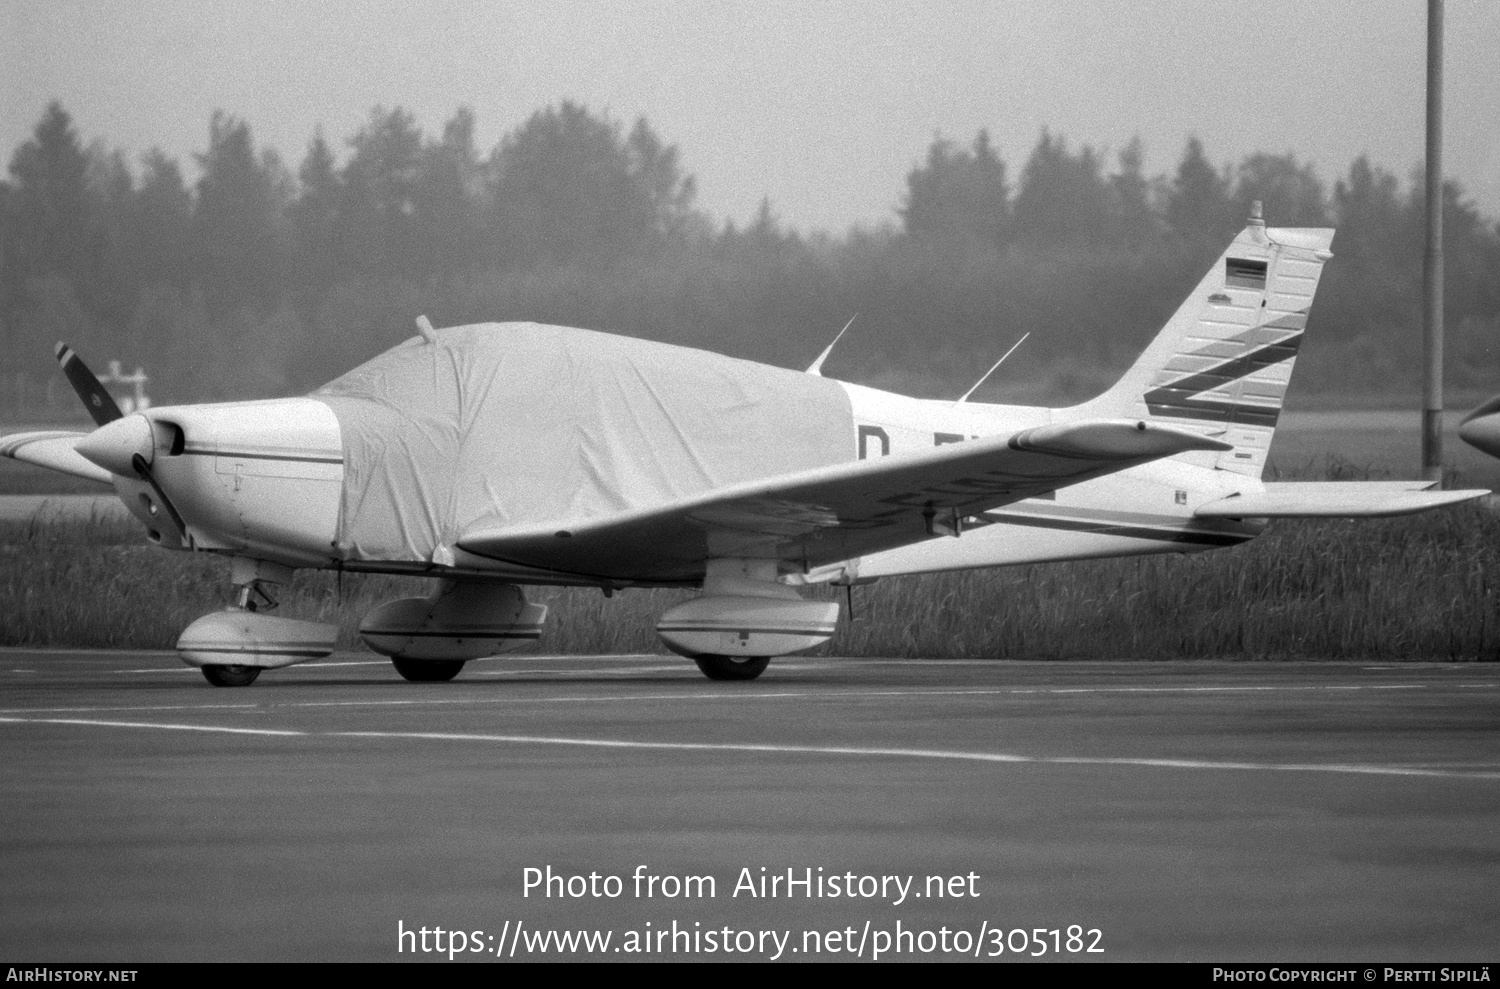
(822,106)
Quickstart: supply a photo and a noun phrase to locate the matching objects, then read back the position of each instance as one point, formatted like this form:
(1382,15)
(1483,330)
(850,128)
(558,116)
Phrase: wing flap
(53,450)
(834,513)
(1334,499)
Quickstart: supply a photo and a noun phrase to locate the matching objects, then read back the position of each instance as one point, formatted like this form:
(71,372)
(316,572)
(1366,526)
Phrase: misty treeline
(263,277)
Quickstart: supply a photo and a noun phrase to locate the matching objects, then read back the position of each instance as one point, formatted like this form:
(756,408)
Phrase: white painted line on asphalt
(564,674)
(940,754)
(294,666)
(353,662)
(836,694)
(730,694)
(938,662)
(219,729)
(121,710)
(387,662)
(947,755)
(586,698)
(162,669)
(85,651)
(469,700)
(1226,690)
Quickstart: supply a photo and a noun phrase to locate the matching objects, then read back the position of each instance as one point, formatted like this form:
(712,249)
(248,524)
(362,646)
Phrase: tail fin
(1222,363)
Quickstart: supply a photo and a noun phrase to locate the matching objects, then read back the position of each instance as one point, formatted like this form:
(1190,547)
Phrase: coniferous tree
(50,211)
(447,198)
(959,196)
(1135,220)
(1063,200)
(376,218)
(1291,194)
(668,191)
(568,189)
(1369,213)
(114,248)
(313,216)
(1198,206)
(576,219)
(238,248)
(164,214)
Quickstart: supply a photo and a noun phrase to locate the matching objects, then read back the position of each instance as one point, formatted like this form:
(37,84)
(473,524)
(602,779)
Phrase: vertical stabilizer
(1222,363)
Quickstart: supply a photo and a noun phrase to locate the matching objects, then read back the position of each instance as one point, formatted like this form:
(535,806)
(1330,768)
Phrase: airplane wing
(1334,499)
(834,513)
(54,451)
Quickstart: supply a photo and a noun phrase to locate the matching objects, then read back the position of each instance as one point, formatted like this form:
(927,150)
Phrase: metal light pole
(1432,263)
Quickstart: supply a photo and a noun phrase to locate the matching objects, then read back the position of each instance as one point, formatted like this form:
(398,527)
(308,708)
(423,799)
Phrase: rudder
(1223,361)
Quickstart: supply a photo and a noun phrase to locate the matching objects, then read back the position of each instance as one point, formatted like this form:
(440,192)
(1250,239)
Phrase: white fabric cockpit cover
(502,424)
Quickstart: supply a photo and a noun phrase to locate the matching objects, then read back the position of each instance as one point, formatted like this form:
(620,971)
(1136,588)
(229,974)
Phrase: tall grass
(1420,587)
(1415,588)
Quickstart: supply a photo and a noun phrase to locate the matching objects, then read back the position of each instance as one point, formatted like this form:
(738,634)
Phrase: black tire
(428,670)
(231,676)
(732,667)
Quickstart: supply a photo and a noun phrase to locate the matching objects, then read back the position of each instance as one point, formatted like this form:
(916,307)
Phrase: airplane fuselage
(266,479)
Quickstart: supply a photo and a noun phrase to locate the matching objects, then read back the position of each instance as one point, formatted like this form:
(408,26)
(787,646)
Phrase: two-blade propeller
(123,445)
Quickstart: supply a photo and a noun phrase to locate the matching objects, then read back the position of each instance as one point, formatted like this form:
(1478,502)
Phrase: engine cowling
(462,620)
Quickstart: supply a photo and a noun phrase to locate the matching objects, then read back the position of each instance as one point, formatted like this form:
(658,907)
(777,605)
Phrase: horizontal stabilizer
(1334,499)
(836,512)
(53,450)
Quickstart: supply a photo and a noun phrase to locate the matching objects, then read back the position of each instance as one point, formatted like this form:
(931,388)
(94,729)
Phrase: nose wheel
(732,667)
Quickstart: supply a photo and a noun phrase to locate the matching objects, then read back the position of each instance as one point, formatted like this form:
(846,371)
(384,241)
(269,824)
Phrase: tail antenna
(984,377)
(817,366)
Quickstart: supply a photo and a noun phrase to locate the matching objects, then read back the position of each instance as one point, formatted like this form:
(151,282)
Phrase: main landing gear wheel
(428,670)
(231,676)
(732,667)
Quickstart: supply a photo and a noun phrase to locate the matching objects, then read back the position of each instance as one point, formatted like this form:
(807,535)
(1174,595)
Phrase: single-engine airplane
(500,455)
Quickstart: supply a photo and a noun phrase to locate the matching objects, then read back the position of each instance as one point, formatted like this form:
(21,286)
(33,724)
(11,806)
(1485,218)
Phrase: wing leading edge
(834,513)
